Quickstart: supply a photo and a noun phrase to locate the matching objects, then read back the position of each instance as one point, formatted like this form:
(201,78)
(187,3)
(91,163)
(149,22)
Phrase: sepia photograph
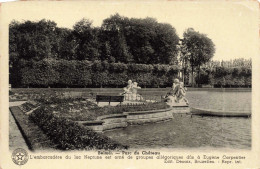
(121,77)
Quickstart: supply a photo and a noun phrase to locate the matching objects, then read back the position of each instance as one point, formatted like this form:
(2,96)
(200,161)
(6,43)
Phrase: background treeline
(143,50)
(241,62)
(42,54)
(119,39)
(226,76)
(64,73)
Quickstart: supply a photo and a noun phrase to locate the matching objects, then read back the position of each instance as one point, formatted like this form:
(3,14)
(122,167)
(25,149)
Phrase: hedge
(69,135)
(227,77)
(64,73)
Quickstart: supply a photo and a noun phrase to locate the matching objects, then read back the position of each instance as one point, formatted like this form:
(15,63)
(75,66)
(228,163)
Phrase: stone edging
(29,130)
(113,121)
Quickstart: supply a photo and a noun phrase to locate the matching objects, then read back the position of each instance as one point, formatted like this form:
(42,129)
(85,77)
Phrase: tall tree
(139,36)
(32,40)
(199,49)
(113,33)
(66,44)
(140,40)
(166,43)
(87,39)
(183,60)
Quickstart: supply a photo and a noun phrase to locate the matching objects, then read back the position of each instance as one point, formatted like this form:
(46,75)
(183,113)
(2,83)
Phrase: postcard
(129,84)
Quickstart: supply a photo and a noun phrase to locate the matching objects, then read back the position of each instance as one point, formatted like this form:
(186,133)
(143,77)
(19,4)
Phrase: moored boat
(220,113)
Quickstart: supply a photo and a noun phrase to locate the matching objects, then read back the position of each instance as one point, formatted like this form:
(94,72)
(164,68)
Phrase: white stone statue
(177,94)
(130,91)
(181,94)
(128,88)
(135,96)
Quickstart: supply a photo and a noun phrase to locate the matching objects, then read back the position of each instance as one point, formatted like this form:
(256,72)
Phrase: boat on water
(219,113)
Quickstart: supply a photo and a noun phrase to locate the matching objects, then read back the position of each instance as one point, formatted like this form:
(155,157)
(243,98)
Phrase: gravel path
(16,139)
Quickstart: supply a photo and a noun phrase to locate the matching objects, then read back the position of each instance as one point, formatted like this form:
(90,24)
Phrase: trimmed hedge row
(226,77)
(64,73)
(70,135)
(233,77)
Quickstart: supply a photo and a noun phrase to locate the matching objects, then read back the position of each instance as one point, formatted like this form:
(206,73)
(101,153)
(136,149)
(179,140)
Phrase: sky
(232,26)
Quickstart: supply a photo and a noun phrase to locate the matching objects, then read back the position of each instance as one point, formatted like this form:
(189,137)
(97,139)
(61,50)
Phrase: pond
(185,131)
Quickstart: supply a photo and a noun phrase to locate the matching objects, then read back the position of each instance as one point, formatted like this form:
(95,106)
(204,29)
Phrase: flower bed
(84,110)
(127,108)
(70,135)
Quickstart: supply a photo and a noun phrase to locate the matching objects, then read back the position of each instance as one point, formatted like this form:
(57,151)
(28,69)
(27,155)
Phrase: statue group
(130,91)
(176,96)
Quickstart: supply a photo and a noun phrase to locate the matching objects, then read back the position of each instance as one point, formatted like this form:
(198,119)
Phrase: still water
(185,131)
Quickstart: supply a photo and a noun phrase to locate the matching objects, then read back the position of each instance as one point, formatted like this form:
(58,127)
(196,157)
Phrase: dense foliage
(42,54)
(63,73)
(122,48)
(119,39)
(196,49)
(69,135)
(226,77)
(241,62)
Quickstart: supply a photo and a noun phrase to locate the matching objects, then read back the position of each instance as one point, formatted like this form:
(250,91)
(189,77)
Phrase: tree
(143,41)
(32,40)
(112,33)
(139,34)
(183,60)
(66,44)
(87,40)
(200,49)
(165,45)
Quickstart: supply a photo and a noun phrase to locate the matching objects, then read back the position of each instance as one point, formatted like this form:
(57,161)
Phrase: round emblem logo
(20,156)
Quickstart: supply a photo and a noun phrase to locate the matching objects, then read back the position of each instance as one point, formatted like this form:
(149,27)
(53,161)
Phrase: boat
(219,113)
